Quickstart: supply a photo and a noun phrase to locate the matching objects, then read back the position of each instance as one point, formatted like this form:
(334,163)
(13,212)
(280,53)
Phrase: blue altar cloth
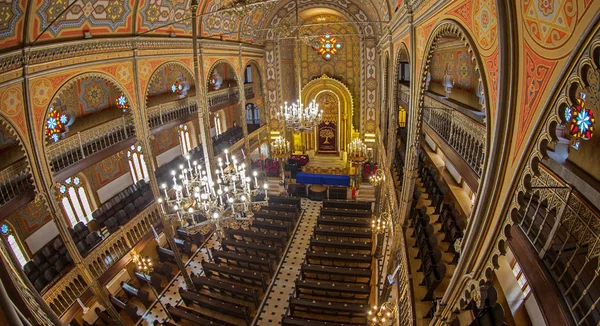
(323,179)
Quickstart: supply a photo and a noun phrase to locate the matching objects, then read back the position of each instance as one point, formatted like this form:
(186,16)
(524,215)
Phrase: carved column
(413,141)
(40,310)
(144,136)
(242,104)
(47,189)
(201,97)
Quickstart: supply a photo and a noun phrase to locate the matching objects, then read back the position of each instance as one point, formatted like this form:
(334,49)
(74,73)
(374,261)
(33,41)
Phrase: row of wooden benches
(333,287)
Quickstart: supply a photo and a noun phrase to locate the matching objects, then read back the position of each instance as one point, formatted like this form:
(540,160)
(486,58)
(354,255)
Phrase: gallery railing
(84,143)
(464,135)
(564,230)
(14,180)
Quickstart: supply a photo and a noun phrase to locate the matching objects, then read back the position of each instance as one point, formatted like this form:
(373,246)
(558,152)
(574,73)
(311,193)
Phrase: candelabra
(378,316)
(280,150)
(143,264)
(196,201)
(379,225)
(299,118)
(357,151)
(377,179)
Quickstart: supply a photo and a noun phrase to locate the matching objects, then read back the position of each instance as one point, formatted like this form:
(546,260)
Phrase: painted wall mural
(165,141)
(164,77)
(30,218)
(102,173)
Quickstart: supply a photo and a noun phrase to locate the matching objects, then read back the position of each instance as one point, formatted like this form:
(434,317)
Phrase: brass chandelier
(280,148)
(357,151)
(300,118)
(196,201)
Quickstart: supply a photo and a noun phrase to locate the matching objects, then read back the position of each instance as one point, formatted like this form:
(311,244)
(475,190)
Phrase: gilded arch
(161,66)
(345,111)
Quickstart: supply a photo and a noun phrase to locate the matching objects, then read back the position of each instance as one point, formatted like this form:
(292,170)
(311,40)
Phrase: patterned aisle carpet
(276,303)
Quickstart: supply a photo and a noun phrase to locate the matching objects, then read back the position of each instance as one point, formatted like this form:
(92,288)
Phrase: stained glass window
(75,201)
(184,138)
(14,245)
(122,103)
(327,46)
(582,122)
(137,165)
(55,124)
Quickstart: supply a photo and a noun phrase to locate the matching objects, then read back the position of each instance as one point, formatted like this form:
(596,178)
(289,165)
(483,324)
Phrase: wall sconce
(401,117)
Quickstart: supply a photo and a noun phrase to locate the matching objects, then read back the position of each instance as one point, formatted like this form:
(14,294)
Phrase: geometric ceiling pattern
(60,20)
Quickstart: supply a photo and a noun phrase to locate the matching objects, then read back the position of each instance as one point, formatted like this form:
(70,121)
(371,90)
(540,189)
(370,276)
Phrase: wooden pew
(242,276)
(184,246)
(129,308)
(165,254)
(251,248)
(344,221)
(243,261)
(356,247)
(154,280)
(335,273)
(346,212)
(215,305)
(347,204)
(104,316)
(336,310)
(343,233)
(338,259)
(292,208)
(257,237)
(285,217)
(164,269)
(235,291)
(297,321)
(334,291)
(193,318)
(286,200)
(196,238)
(279,228)
(131,291)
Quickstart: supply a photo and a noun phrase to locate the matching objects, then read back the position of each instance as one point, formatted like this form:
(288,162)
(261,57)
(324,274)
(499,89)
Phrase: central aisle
(276,303)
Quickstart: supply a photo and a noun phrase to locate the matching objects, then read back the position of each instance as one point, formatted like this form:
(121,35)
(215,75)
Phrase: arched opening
(89,114)
(255,112)
(226,117)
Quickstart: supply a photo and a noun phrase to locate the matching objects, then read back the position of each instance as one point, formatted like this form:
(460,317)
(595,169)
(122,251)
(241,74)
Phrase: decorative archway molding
(227,62)
(346,110)
(178,64)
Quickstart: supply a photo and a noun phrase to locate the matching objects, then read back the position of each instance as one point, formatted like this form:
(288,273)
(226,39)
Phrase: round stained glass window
(4,229)
(63,189)
(76,181)
(68,181)
(568,114)
(139,148)
(582,122)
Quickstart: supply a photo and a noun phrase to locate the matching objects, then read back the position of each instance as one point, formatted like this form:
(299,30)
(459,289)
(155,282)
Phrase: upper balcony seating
(48,263)
(163,173)
(14,187)
(227,139)
(122,207)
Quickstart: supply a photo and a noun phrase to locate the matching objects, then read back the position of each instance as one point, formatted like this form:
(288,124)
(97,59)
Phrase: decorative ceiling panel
(165,16)
(11,22)
(100,17)
(223,25)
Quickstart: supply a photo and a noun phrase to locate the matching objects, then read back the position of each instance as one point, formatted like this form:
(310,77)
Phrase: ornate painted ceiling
(50,21)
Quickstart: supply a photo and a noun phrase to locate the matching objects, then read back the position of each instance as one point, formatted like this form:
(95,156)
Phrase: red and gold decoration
(327,46)
(582,122)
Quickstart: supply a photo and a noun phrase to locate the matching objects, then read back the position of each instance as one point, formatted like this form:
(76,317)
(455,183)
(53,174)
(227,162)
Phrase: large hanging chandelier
(357,151)
(196,201)
(280,148)
(299,118)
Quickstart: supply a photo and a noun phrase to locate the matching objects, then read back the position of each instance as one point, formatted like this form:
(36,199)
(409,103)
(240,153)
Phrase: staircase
(366,192)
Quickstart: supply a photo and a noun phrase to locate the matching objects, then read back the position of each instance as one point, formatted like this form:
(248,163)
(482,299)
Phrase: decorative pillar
(144,136)
(38,308)
(242,103)
(201,97)
(411,163)
(46,189)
